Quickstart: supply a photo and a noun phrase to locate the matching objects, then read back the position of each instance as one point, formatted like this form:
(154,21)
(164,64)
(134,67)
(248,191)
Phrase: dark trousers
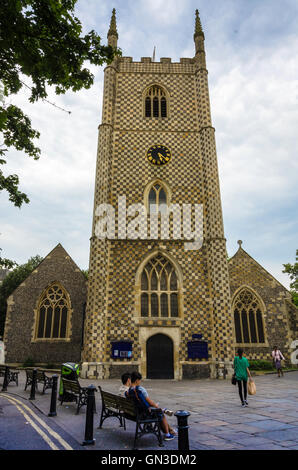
(244,382)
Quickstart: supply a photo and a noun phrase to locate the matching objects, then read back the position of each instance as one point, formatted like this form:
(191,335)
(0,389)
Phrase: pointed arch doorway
(160,357)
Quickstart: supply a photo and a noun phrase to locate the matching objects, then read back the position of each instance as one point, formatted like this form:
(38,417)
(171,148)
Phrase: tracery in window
(159,289)
(156,102)
(248,318)
(53,313)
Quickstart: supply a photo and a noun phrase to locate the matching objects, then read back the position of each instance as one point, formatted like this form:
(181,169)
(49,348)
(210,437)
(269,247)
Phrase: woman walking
(241,367)
(277,358)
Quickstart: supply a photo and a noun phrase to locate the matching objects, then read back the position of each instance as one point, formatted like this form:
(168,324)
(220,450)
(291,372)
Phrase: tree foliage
(292,270)
(85,272)
(6,263)
(12,281)
(40,41)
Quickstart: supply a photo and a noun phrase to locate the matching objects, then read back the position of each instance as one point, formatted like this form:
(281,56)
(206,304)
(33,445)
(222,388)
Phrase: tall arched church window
(53,313)
(159,289)
(248,318)
(156,102)
(157,197)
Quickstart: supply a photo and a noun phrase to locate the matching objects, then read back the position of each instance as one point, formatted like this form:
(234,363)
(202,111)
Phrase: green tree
(40,41)
(292,270)
(85,272)
(12,281)
(6,263)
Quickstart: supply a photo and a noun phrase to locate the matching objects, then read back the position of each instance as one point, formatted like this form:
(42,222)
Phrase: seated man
(126,383)
(145,402)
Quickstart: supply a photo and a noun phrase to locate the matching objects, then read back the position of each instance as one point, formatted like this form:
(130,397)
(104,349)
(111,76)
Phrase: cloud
(255,109)
(161,11)
(253,76)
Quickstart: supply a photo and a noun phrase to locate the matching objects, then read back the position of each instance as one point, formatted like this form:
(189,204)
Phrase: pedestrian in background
(241,368)
(277,358)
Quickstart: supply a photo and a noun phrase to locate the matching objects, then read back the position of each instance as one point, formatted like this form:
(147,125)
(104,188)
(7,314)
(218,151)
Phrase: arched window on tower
(159,289)
(248,318)
(157,197)
(53,313)
(156,102)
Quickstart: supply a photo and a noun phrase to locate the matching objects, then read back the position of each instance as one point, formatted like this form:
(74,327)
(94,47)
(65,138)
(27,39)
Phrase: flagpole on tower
(153,58)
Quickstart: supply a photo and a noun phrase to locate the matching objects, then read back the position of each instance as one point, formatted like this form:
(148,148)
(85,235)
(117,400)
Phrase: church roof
(241,253)
(58,251)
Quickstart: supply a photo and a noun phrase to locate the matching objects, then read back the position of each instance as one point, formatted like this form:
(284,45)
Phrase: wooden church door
(160,357)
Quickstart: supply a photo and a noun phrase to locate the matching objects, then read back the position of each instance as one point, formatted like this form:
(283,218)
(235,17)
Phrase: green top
(240,367)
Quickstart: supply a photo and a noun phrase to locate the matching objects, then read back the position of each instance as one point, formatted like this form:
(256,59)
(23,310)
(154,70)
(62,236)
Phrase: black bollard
(88,441)
(33,385)
(182,417)
(54,396)
(5,380)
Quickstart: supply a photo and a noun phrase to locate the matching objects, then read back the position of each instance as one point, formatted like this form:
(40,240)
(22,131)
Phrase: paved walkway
(217,420)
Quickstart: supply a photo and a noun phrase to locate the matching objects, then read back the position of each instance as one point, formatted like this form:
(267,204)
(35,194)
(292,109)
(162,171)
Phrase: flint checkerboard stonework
(209,288)
(125,135)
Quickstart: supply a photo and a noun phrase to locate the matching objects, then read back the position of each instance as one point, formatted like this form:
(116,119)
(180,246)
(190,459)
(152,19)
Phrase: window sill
(149,321)
(51,340)
(155,119)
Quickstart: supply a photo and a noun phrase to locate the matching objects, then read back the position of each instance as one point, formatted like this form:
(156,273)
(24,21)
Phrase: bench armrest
(155,410)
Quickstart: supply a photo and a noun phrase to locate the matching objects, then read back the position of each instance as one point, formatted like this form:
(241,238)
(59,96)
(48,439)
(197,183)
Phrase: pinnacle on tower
(112,34)
(198,26)
(199,39)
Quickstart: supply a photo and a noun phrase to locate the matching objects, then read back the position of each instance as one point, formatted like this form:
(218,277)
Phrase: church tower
(158,301)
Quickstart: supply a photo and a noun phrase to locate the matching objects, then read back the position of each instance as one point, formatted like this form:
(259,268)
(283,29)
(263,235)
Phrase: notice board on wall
(121,349)
(197,348)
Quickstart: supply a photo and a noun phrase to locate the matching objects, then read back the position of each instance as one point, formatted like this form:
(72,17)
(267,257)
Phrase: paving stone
(212,441)
(270,424)
(230,435)
(216,421)
(282,418)
(200,429)
(232,421)
(252,416)
(247,428)
(289,443)
(281,435)
(264,447)
(252,441)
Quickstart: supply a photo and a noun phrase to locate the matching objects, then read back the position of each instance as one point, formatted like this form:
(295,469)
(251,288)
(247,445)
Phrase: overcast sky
(252,59)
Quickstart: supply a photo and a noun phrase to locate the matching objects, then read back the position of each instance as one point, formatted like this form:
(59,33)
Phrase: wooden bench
(41,377)
(126,408)
(13,374)
(79,394)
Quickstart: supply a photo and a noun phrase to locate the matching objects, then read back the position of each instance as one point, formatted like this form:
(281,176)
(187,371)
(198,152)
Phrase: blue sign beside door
(121,349)
(197,349)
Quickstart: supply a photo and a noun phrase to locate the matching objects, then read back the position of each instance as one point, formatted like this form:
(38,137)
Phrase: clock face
(158,155)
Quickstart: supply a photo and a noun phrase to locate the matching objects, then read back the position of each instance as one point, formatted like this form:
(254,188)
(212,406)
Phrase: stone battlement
(148,60)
